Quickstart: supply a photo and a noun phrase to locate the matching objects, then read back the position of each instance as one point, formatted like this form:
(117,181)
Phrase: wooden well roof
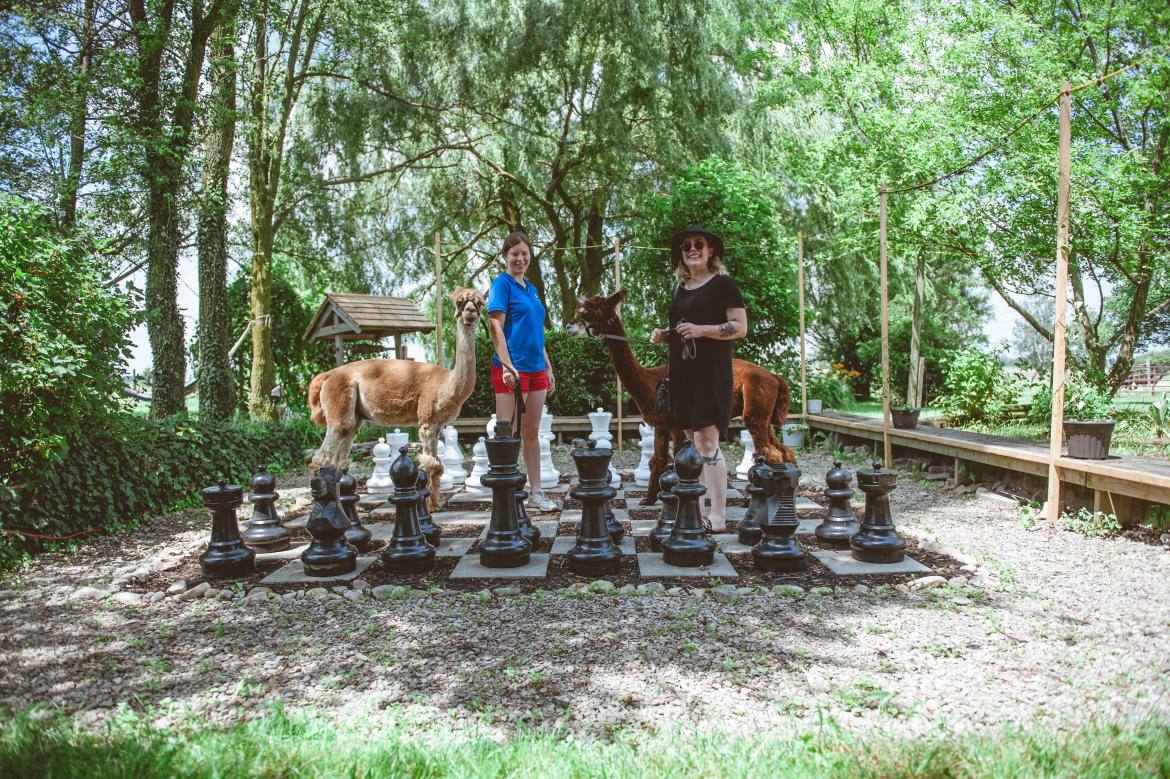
(366,317)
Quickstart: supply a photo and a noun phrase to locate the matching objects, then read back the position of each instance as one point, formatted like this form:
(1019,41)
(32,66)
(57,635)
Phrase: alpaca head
(469,304)
(597,316)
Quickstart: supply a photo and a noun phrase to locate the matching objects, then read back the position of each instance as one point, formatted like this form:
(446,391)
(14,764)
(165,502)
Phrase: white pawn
(600,421)
(452,456)
(380,480)
(446,481)
(480,469)
(749,454)
(397,439)
(491,427)
(642,472)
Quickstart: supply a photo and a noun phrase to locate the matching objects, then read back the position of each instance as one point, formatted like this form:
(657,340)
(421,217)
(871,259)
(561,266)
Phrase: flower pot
(904,418)
(1089,440)
(793,435)
(814,406)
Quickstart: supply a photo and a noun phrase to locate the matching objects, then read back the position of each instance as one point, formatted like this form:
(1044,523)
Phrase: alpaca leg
(339,402)
(657,464)
(758,403)
(429,461)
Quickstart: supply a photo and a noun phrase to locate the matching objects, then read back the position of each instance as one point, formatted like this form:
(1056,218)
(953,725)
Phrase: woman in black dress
(706,315)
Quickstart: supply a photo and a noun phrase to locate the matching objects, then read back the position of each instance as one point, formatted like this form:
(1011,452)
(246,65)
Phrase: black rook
(226,555)
(877,541)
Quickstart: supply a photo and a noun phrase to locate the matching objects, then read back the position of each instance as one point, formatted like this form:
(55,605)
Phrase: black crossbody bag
(662,390)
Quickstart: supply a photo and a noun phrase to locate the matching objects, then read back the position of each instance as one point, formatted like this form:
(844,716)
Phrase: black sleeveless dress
(701,388)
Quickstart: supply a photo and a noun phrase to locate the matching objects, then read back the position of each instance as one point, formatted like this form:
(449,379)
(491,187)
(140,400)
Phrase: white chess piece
(480,458)
(380,480)
(452,456)
(446,481)
(549,475)
(642,472)
(749,454)
(397,439)
(600,421)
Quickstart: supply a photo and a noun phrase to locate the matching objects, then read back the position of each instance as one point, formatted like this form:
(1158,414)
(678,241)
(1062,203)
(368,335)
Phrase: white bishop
(749,454)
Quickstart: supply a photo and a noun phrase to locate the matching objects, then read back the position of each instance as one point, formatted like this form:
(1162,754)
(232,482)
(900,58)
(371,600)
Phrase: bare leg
(714,476)
(530,433)
(704,510)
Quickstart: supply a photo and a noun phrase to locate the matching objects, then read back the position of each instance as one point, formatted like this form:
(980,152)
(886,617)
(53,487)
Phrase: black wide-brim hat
(676,243)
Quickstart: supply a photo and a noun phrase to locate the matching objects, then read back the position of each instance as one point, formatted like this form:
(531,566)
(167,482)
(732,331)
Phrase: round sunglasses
(698,245)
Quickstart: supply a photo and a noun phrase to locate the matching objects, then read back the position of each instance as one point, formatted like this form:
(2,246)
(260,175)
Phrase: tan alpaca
(398,392)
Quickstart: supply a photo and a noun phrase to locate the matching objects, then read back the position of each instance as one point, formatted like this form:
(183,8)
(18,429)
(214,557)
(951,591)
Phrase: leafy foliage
(63,346)
(977,387)
(1083,400)
(127,468)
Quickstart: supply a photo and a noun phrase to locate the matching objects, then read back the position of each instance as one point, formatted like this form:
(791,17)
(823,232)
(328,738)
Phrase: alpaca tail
(779,411)
(316,413)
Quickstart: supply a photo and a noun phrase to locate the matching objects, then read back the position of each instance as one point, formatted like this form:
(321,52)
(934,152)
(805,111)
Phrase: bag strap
(673,295)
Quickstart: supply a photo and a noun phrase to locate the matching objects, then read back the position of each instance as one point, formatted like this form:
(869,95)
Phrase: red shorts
(528,381)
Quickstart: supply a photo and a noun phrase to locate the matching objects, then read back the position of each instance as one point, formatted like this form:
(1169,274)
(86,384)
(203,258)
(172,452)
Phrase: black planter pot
(1089,440)
(904,418)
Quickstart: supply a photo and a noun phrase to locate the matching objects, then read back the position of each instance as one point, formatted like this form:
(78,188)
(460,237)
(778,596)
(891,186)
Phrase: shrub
(130,467)
(977,387)
(1082,401)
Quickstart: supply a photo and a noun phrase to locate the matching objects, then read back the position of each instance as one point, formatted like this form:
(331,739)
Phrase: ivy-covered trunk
(215,376)
(165,321)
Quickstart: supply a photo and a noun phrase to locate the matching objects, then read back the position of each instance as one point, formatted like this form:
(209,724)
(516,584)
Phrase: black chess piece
(749,530)
(688,546)
(328,554)
(839,525)
(778,550)
(408,550)
(356,535)
(666,484)
(527,529)
(877,541)
(265,533)
(227,557)
(504,546)
(595,553)
(617,531)
(425,521)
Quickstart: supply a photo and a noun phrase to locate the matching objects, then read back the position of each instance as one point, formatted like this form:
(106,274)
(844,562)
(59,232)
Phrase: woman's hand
(511,379)
(658,336)
(552,383)
(690,330)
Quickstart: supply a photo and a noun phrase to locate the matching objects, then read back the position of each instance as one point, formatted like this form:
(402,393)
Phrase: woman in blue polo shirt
(517,323)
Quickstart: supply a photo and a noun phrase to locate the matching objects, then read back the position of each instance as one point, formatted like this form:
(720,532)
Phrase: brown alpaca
(398,392)
(760,397)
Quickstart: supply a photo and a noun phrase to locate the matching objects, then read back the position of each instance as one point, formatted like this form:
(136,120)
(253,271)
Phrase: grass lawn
(279,746)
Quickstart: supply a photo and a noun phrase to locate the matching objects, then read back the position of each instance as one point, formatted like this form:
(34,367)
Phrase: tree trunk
(77,121)
(215,374)
(916,328)
(165,323)
(593,257)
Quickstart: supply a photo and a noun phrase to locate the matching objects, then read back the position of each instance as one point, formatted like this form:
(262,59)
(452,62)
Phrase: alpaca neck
(462,376)
(622,356)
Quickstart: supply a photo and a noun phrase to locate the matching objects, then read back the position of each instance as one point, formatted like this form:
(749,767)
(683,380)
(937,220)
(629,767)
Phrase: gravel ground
(1063,627)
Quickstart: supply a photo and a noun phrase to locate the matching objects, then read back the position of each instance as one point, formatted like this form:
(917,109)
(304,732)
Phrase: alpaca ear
(616,300)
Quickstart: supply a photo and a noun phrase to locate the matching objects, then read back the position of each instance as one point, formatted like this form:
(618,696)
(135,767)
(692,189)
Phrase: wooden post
(617,282)
(921,382)
(438,303)
(889,449)
(916,330)
(398,346)
(337,350)
(800,297)
(1058,329)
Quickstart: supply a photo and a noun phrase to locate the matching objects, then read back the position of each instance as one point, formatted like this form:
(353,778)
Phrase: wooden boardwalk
(1115,481)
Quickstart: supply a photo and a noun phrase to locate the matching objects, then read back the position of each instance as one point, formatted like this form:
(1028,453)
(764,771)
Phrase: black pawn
(877,541)
(688,546)
(265,531)
(778,550)
(839,525)
(226,557)
(595,553)
(356,535)
(408,550)
(328,554)
(666,484)
(617,531)
(527,529)
(504,546)
(759,477)
(425,522)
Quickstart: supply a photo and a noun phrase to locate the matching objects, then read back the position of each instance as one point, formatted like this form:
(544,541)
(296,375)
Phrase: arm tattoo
(727,329)
(712,460)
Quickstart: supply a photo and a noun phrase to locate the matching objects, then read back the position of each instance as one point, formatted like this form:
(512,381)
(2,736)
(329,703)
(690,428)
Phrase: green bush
(978,389)
(130,467)
(64,340)
(1083,400)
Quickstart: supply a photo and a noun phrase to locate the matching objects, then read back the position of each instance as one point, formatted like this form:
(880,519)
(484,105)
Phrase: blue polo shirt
(523,323)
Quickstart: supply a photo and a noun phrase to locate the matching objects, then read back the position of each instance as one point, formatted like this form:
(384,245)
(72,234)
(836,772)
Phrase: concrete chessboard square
(287,554)
(557,489)
(574,515)
(294,573)
(298,522)
(461,517)
(470,568)
(842,563)
(729,543)
(471,497)
(453,547)
(805,503)
(562,545)
(650,565)
(740,485)
(547,528)
(641,528)
(372,499)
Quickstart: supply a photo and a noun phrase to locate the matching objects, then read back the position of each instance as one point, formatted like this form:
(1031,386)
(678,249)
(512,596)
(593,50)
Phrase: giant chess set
(679,543)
